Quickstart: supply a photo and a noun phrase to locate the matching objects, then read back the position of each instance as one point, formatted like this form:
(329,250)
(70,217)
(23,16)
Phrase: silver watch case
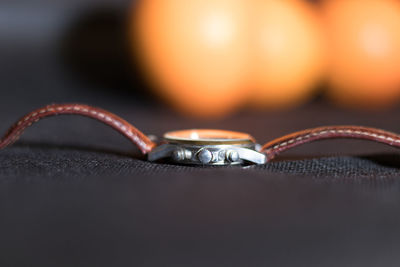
(208,147)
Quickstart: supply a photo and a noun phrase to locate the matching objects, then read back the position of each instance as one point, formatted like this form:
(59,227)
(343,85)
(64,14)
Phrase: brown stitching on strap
(110,119)
(273,148)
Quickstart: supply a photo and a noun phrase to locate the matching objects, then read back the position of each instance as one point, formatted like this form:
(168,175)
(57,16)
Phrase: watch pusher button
(205,156)
(180,154)
(232,156)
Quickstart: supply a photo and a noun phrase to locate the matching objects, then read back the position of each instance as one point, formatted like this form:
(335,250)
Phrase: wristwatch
(202,146)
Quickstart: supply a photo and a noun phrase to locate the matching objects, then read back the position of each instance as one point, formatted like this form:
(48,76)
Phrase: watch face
(208,137)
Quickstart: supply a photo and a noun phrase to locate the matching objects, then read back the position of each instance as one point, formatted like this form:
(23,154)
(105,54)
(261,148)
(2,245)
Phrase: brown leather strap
(125,128)
(273,148)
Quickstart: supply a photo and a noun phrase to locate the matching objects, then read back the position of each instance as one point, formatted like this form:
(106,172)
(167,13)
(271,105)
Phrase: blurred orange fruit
(364,38)
(195,52)
(288,52)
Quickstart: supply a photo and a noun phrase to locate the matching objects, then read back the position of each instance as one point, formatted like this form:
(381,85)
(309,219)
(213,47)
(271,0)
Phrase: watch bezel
(196,137)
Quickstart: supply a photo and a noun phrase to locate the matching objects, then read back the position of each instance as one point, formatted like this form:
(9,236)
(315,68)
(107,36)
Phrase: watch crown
(205,156)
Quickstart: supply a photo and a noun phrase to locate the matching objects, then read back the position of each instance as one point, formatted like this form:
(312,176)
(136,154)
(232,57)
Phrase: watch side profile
(208,147)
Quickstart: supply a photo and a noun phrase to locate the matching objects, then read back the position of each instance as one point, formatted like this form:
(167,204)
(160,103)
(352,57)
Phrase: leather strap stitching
(273,148)
(122,126)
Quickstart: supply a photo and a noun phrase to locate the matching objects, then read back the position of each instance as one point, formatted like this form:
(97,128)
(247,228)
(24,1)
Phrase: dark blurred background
(51,50)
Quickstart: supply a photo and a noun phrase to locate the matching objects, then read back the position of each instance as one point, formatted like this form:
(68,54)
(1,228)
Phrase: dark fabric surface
(75,193)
